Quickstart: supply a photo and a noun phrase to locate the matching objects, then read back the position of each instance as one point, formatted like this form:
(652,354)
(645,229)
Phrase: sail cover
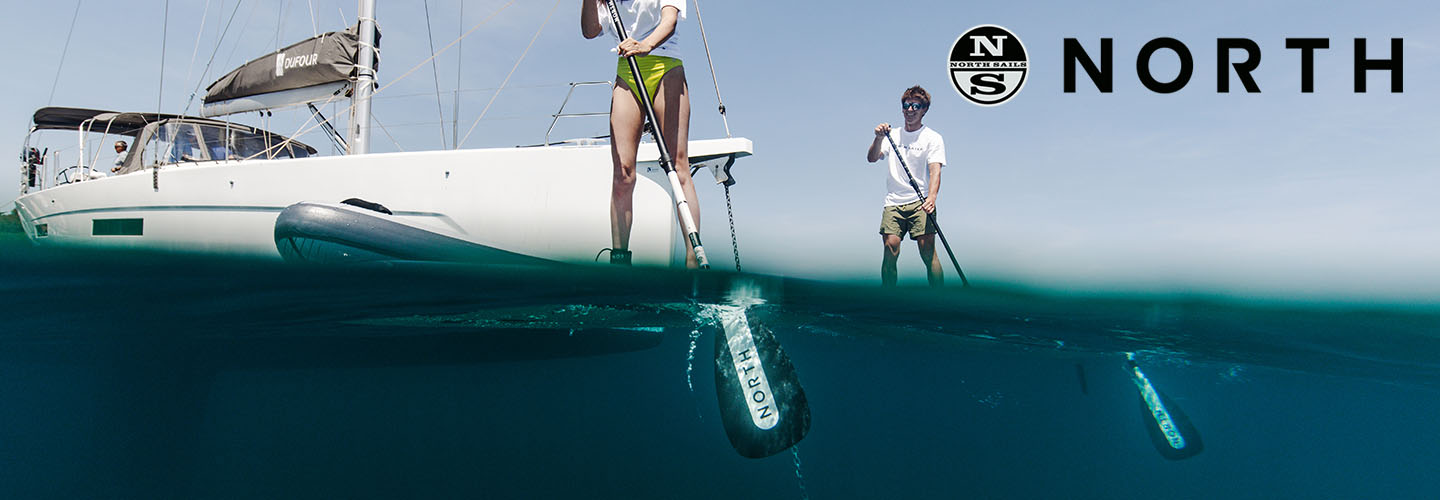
(313,70)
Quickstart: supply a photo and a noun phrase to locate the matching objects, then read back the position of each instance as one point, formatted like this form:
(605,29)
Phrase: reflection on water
(125,375)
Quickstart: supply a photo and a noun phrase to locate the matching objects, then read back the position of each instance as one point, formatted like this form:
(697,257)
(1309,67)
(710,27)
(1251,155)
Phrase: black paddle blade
(761,401)
(1176,440)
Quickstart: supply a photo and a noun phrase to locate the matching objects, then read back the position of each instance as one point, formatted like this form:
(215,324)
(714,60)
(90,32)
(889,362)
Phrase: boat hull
(550,203)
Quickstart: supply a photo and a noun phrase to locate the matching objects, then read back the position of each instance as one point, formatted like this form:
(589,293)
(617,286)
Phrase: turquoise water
(154,376)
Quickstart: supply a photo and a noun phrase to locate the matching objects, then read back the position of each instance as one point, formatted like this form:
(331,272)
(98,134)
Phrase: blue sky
(1277,194)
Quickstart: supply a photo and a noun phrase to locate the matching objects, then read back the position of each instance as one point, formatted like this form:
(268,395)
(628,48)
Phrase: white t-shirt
(921,147)
(641,17)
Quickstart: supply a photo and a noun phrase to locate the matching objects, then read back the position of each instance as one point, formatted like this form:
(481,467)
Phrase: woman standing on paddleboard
(651,24)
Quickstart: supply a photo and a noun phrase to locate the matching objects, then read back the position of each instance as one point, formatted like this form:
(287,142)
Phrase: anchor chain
(734,244)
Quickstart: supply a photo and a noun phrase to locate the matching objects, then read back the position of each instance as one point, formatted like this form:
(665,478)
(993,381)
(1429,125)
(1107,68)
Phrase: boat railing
(40,170)
(555,118)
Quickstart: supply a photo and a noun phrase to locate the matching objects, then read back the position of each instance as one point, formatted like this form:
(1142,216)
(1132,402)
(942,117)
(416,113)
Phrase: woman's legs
(626,121)
(672,107)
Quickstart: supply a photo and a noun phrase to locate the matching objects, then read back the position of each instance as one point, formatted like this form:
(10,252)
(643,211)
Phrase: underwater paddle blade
(762,404)
(1170,429)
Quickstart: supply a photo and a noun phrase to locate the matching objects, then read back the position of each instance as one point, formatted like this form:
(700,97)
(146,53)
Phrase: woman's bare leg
(672,106)
(626,120)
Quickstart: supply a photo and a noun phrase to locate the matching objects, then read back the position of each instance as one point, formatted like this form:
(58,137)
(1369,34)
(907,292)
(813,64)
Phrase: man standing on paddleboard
(905,210)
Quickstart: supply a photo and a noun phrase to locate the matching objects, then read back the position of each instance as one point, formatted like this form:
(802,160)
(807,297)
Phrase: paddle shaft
(667,162)
(916,187)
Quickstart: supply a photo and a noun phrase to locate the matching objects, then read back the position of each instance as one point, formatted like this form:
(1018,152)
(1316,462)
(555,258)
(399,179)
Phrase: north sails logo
(1157,410)
(753,382)
(988,65)
(283,63)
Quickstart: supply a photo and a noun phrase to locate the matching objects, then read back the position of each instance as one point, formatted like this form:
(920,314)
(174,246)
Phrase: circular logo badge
(988,65)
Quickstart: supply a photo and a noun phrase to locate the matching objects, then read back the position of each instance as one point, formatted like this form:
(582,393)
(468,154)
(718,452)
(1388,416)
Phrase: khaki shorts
(898,220)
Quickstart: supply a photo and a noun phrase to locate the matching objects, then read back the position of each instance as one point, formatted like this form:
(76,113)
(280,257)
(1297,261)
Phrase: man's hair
(121,143)
(916,93)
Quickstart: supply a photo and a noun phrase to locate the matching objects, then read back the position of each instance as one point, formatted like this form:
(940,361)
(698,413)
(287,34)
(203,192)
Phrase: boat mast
(364,80)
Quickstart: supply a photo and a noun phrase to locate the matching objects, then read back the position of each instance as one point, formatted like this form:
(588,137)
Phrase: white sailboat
(193,184)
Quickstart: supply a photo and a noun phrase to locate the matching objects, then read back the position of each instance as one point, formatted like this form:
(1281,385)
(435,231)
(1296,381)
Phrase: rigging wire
(204,16)
(191,100)
(447,47)
(331,102)
(336,141)
(483,89)
(387,132)
(324,122)
(459,65)
(243,28)
(64,51)
(160,94)
(435,72)
(729,208)
(512,73)
(422,63)
(164,34)
(314,26)
(706,41)
(279,23)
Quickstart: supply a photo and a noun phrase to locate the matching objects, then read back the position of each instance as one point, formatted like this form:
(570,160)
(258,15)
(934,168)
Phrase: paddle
(916,187)
(762,404)
(1170,430)
(692,235)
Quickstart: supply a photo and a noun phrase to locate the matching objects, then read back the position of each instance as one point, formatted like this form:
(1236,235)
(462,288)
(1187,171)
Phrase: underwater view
(242,258)
(166,376)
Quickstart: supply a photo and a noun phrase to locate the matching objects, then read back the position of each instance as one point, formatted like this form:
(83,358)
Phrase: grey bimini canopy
(313,70)
(96,120)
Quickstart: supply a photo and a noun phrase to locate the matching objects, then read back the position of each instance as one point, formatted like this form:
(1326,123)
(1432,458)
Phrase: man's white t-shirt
(641,17)
(921,147)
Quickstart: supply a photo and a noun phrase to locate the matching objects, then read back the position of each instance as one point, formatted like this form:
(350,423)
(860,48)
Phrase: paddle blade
(1175,440)
(762,404)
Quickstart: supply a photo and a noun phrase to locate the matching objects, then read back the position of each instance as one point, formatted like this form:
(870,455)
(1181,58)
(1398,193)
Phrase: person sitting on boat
(904,212)
(652,29)
(120,155)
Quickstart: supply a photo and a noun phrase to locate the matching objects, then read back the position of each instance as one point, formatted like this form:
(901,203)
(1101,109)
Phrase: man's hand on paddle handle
(877,146)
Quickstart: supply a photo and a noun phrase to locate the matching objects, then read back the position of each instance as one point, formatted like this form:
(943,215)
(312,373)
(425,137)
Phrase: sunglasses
(912,106)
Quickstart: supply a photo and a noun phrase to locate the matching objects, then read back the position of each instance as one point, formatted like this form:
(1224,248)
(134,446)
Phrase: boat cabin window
(173,143)
(180,142)
(237,144)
